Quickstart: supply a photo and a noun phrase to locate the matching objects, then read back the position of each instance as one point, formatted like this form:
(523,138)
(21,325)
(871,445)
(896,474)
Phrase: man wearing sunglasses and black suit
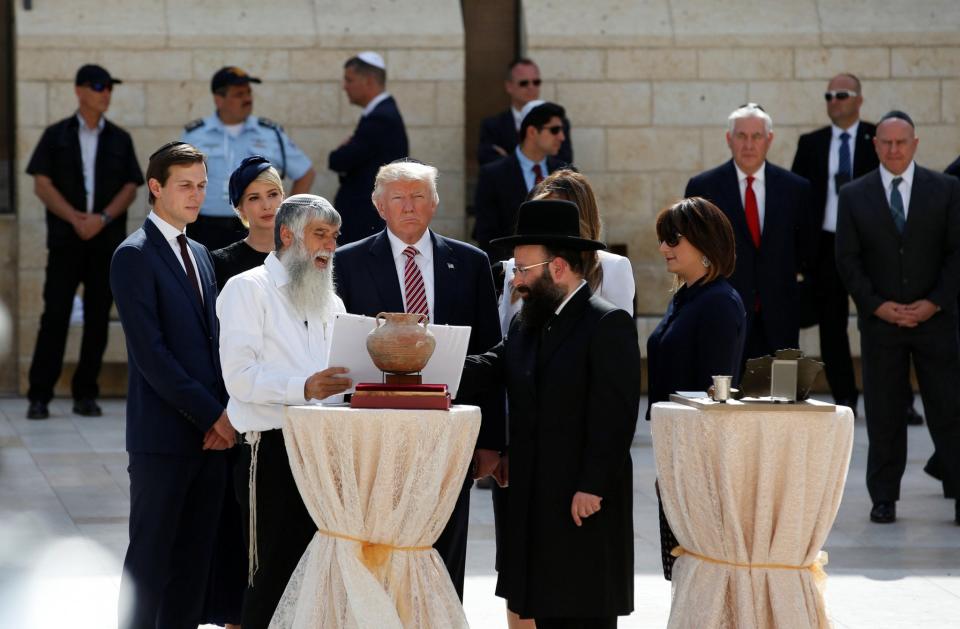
(86,174)
(498,134)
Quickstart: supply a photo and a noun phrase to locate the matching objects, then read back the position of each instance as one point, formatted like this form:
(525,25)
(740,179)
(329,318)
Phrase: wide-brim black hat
(550,222)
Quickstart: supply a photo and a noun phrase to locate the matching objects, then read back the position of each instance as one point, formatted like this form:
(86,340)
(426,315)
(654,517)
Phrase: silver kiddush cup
(721,388)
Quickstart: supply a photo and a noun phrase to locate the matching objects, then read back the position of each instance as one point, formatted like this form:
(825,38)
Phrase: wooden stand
(402,378)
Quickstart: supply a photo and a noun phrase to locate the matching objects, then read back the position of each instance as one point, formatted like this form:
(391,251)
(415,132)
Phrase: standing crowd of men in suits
(857,216)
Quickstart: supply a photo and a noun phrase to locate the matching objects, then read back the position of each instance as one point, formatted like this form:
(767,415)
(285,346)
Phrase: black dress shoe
(913,417)
(883,512)
(87,407)
(932,468)
(38,410)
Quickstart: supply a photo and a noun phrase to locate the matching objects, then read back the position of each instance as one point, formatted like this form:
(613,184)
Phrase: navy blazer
(366,278)
(380,138)
(501,189)
(175,389)
(701,336)
(787,245)
(500,129)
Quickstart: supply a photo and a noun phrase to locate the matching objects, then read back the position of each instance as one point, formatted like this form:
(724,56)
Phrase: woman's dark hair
(706,228)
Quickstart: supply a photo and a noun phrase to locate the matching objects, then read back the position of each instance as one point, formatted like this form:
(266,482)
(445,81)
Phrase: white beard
(310,289)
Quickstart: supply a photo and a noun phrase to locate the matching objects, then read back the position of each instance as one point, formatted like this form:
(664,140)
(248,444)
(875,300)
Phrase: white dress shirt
(517,117)
(170,233)
(267,348)
(89,139)
(759,190)
(905,187)
(379,98)
(424,260)
(833,165)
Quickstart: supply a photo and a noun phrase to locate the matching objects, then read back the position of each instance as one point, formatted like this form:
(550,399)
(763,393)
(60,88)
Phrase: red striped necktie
(413,288)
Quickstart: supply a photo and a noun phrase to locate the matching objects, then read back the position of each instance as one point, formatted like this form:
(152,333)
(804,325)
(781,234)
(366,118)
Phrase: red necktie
(413,287)
(537,174)
(753,214)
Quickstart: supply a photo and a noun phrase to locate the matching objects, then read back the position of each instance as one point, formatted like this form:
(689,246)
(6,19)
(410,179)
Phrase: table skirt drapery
(380,485)
(751,497)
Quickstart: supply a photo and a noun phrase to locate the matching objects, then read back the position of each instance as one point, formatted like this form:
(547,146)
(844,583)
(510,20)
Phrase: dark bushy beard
(540,301)
(310,289)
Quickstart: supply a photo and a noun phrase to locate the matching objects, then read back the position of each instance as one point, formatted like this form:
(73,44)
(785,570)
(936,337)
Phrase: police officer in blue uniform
(229,135)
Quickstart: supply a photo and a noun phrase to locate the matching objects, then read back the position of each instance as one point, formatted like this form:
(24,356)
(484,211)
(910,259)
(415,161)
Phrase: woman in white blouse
(610,276)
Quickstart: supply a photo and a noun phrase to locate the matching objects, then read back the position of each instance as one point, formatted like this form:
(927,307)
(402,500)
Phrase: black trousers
(284,527)
(174,505)
(452,543)
(216,232)
(577,623)
(86,262)
(833,312)
(887,351)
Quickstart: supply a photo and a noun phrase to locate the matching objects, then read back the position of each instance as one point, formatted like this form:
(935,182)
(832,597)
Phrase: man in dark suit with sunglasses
(86,173)
(498,134)
(504,184)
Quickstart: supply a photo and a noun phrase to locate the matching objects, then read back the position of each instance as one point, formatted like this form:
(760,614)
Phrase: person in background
(704,329)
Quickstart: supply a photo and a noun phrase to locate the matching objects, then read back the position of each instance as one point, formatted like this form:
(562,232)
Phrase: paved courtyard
(63,531)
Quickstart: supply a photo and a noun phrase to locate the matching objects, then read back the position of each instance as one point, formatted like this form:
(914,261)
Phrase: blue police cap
(248,170)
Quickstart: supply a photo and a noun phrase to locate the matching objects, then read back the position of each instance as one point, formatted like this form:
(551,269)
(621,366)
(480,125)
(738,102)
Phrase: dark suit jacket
(878,264)
(954,168)
(58,156)
(500,191)
(366,278)
(175,389)
(812,162)
(574,393)
(379,139)
(502,131)
(786,245)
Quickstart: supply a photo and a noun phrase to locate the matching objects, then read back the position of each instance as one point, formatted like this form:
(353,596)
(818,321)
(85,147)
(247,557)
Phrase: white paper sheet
(349,349)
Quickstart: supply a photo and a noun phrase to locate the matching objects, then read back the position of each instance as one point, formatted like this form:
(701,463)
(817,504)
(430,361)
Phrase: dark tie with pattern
(537,174)
(845,168)
(896,205)
(191,272)
(413,288)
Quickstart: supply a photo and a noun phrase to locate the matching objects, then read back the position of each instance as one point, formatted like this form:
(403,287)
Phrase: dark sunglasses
(99,87)
(672,240)
(555,129)
(838,94)
(527,82)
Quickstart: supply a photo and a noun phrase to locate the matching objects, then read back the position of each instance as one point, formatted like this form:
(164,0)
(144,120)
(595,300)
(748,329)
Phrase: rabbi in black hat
(571,365)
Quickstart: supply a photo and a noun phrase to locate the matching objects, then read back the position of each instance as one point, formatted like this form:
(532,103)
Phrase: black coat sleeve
(848,251)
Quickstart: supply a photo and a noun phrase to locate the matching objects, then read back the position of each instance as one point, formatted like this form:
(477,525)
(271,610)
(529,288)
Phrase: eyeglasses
(555,129)
(522,270)
(839,95)
(527,82)
(672,241)
(99,87)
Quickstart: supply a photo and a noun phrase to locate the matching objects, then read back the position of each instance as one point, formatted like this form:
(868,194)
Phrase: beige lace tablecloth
(381,485)
(751,497)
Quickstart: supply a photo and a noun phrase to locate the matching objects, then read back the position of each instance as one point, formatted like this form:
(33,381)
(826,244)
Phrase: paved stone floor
(64,504)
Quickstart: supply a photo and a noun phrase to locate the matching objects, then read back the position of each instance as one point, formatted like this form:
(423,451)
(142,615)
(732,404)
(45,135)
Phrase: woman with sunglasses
(704,329)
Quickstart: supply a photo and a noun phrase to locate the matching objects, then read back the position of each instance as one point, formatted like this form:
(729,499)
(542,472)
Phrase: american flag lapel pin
(450,265)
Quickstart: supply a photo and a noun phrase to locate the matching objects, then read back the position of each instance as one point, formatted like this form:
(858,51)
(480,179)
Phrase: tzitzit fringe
(816,567)
(253,439)
(372,554)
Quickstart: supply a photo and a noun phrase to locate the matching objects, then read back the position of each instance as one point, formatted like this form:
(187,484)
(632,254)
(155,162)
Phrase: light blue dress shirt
(526,166)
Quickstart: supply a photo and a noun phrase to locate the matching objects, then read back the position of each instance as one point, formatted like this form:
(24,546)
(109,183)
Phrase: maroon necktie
(753,214)
(537,174)
(191,273)
(413,288)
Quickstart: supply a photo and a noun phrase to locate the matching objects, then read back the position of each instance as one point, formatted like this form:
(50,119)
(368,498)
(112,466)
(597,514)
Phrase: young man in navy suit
(769,208)
(380,138)
(409,268)
(177,425)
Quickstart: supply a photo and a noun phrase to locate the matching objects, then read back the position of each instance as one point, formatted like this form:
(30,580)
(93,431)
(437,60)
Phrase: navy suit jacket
(379,139)
(367,281)
(175,391)
(500,191)
(787,245)
(501,130)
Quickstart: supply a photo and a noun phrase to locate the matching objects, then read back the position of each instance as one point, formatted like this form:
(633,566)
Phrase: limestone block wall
(167,50)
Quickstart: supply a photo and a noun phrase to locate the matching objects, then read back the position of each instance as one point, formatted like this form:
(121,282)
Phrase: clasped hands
(221,435)
(906,315)
(86,225)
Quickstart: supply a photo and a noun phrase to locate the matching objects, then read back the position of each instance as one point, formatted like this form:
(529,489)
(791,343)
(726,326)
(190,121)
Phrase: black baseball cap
(231,75)
(92,74)
(248,170)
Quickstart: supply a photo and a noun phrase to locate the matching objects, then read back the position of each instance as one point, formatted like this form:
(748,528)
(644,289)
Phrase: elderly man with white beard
(275,326)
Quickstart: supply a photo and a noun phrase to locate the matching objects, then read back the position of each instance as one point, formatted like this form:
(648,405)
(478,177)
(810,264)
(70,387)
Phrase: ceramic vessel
(401,342)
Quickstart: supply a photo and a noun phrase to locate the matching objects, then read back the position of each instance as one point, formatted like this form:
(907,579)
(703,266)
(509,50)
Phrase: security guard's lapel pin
(450,265)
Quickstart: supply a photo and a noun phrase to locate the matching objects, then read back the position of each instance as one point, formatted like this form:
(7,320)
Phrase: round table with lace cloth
(380,485)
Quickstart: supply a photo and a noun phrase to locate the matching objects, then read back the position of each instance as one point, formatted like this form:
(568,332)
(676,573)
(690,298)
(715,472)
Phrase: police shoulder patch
(270,124)
(193,124)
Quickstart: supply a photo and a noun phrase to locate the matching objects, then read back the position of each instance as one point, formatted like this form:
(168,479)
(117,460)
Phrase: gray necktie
(896,205)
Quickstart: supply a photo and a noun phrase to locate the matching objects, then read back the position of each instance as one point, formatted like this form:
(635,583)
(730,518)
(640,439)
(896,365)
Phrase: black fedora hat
(549,222)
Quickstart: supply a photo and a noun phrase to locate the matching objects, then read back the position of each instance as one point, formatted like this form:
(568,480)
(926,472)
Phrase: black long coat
(574,393)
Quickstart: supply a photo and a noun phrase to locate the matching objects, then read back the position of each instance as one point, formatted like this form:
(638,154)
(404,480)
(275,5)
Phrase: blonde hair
(270,176)
(406,169)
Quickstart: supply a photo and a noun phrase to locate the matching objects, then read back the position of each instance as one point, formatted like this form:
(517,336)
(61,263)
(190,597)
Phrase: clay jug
(403,344)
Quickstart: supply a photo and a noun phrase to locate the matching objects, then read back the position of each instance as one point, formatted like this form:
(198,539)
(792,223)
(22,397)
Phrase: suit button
(901,250)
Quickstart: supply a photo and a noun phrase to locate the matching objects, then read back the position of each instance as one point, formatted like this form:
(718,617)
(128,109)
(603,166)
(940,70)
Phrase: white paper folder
(349,349)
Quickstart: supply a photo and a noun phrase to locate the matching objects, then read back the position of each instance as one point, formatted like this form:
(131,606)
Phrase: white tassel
(253,439)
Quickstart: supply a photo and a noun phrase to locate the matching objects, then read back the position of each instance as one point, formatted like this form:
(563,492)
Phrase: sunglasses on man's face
(99,87)
(527,82)
(839,95)
(555,129)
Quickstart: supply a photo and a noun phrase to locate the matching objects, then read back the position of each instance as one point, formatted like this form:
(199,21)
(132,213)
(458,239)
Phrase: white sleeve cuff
(295,391)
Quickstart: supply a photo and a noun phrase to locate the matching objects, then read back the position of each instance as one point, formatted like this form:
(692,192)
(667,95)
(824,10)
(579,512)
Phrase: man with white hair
(409,268)
(769,208)
(275,326)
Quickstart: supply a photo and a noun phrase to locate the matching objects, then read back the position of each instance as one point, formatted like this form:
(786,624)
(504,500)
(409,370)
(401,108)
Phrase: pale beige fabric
(384,476)
(749,488)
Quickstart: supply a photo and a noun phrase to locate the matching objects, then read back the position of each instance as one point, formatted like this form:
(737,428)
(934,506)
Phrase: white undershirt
(89,139)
